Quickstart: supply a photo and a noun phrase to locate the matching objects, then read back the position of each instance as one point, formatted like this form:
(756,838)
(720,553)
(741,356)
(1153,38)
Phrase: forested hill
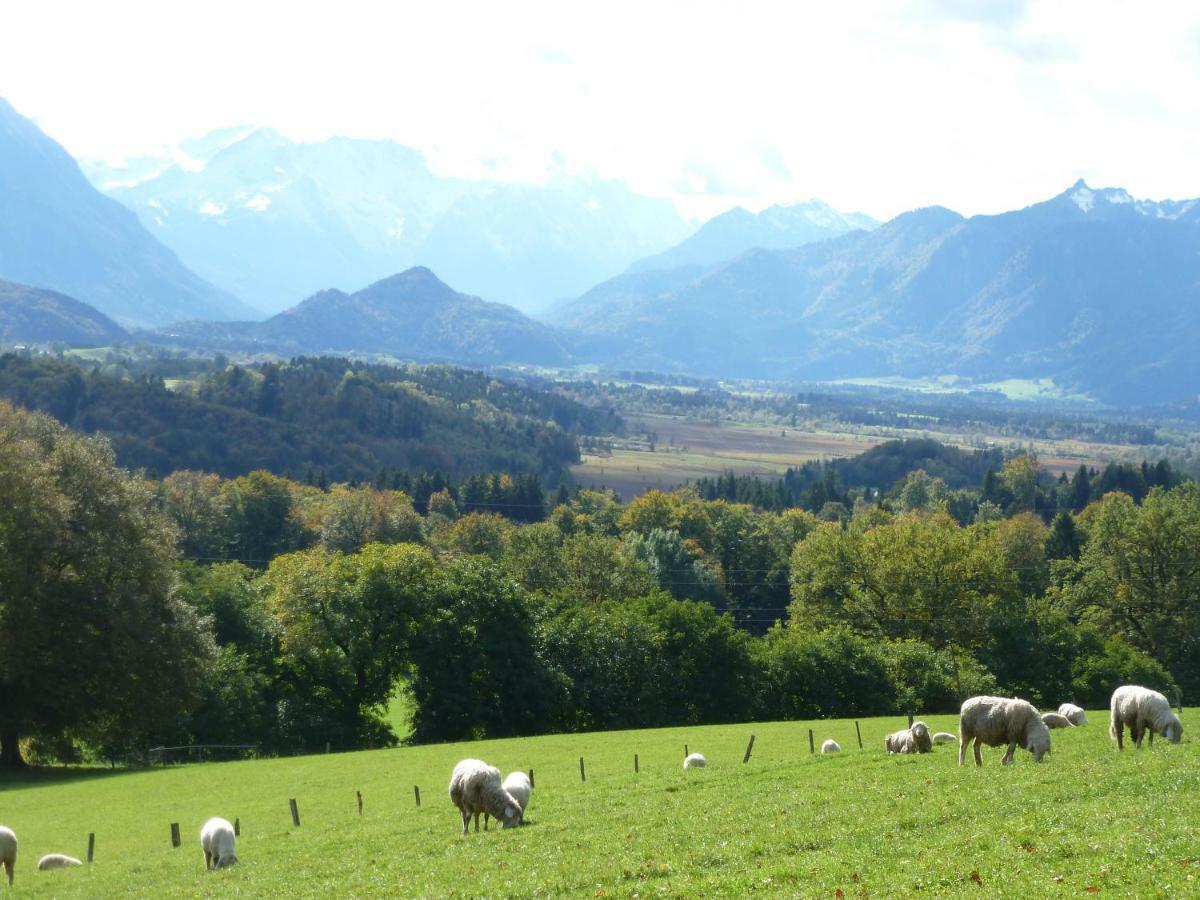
(343,420)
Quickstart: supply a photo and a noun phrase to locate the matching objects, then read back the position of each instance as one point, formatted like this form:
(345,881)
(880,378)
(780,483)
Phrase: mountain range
(412,315)
(1092,288)
(271,220)
(59,233)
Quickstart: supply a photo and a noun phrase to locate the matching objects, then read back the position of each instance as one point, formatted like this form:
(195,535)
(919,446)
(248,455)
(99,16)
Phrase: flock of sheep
(476,788)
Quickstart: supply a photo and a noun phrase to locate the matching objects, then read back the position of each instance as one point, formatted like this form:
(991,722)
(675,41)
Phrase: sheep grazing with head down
(1143,710)
(1075,714)
(521,788)
(57,861)
(831,746)
(914,739)
(997,721)
(476,789)
(694,761)
(944,737)
(1056,720)
(8,851)
(217,842)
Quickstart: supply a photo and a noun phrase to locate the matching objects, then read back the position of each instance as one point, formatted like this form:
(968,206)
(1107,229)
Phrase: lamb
(944,737)
(1142,710)
(914,739)
(695,761)
(1075,714)
(8,851)
(217,840)
(831,746)
(475,788)
(1056,720)
(519,785)
(996,721)
(57,861)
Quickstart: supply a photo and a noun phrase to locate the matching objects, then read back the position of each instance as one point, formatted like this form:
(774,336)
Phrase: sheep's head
(1173,732)
(920,736)
(227,860)
(511,816)
(1037,739)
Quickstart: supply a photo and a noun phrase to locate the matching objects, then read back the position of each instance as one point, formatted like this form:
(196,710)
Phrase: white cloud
(209,208)
(872,106)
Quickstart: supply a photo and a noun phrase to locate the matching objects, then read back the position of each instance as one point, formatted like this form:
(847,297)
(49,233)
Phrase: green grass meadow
(1088,820)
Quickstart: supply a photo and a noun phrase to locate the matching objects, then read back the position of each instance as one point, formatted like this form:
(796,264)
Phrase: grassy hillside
(862,823)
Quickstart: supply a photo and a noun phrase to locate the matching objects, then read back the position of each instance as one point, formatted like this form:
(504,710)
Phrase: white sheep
(1056,720)
(914,739)
(1142,710)
(475,788)
(8,851)
(996,721)
(521,788)
(1075,714)
(831,746)
(57,861)
(217,841)
(694,761)
(944,737)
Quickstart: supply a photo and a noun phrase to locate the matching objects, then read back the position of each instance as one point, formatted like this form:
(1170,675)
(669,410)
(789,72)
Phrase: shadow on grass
(47,776)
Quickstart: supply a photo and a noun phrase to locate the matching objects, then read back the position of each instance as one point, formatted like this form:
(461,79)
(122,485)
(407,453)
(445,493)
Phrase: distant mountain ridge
(737,231)
(34,316)
(412,315)
(58,232)
(1091,288)
(271,219)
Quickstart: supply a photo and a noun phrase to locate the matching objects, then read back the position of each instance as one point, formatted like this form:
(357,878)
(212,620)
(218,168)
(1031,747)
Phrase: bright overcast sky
(882,107)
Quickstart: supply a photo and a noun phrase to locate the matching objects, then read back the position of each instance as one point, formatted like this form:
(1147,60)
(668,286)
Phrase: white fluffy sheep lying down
(475,788)
(831,746)
(57,861)
(694,761)
(1056,720)
(1142,710)
(217,842)
(944,737)
(914,739)
(8,851)
(997,721)
(1075,714)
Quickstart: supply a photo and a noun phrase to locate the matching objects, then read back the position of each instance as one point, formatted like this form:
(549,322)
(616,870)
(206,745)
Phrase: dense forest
(314,605)
(342,420)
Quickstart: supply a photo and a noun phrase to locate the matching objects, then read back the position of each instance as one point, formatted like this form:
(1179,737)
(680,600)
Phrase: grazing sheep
(996,721)
(1056,720)
(944,737)
(695,761)
(1075,714)
(831,746)
(57,861)
(521,788)
(914,739)
(475,788)
(217,840)
(1142,710)
(8,851)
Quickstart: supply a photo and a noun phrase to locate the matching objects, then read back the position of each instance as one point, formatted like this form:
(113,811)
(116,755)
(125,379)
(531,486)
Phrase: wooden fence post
(811,746)
(417,794)
(635,764)
(237,827)
(295,812)
(91,845)
(358,795)
(859,733)
(749,748)
(175,842)
(685,751)
(582,776)
(531,784)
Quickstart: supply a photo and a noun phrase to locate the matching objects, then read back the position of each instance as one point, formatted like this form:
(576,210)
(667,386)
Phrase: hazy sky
(980,106)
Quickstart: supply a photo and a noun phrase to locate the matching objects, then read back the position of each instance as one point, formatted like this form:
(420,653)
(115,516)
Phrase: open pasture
(787,823)
(686,451)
